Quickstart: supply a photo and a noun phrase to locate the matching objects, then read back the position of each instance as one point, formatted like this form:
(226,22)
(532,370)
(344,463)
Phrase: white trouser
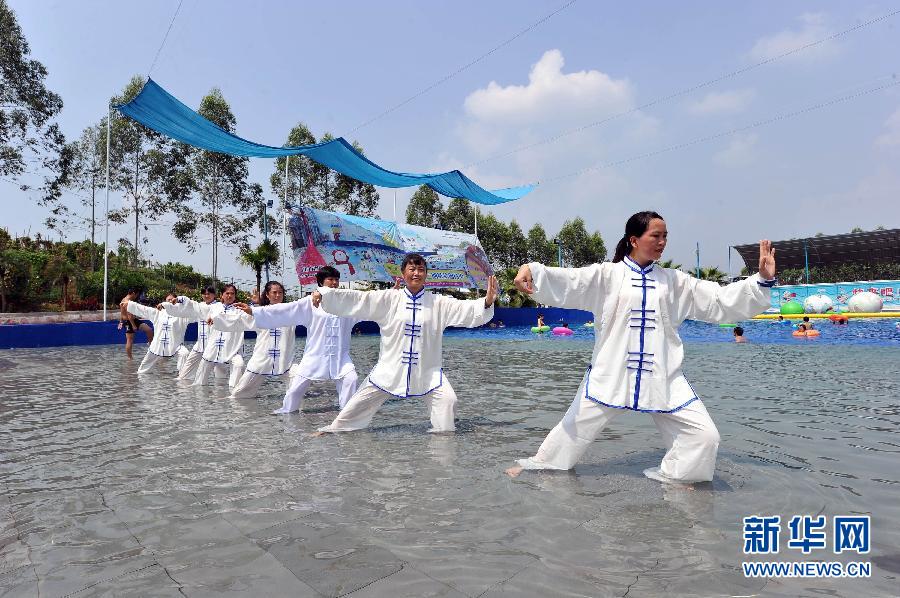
(689,433)
(358,412)
(152,359)
(293,398)
(188,369)
(248,386)
(221,370)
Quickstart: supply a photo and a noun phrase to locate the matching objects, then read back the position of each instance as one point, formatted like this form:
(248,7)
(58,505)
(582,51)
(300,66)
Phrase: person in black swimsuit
(130,323)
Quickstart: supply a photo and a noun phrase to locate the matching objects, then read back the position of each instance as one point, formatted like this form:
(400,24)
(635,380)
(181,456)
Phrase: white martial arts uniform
(636,364)
(167,338)
(272,353)
(220,348)
(410,357)
(187,369)
(327,352)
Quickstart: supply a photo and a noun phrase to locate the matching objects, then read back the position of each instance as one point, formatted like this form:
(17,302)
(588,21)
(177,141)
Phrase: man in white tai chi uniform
(169,334)
(412,323)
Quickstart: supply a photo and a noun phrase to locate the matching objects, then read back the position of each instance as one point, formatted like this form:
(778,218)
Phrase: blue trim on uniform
(767,283)
(163,356)
(587,395)
(411,357)
(640,365)
(407,395)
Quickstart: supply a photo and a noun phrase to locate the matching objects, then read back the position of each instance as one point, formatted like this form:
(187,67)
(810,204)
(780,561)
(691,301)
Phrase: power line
(760,123)
(172,22)
(464,67)
(685,91)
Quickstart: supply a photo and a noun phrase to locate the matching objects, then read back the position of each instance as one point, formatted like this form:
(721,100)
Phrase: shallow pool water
(117,486)
(875,331)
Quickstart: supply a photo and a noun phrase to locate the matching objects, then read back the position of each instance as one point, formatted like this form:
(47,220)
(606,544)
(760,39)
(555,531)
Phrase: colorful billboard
(368,249)
(839,292)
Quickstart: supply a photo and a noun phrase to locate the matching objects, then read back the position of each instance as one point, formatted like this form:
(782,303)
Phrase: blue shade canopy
(157,109)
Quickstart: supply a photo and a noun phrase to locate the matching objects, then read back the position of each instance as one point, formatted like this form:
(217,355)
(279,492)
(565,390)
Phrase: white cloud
(723,102)
(891,136)
(740,151)
(812,28)
(550,94)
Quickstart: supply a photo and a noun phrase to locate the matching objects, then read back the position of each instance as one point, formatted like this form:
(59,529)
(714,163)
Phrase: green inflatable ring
(727,325)
(537,329)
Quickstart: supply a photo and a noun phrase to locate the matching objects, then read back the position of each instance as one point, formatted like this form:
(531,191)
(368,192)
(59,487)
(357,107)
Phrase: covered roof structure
(876,246)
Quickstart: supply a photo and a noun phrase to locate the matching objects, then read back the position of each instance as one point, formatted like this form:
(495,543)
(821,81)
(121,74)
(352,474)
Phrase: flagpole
(106,242)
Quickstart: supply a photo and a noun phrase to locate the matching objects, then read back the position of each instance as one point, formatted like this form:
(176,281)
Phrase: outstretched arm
(294,313)
(142,311)
(574,288)
(185,307)
(359,305)
(233,322)
(740,300)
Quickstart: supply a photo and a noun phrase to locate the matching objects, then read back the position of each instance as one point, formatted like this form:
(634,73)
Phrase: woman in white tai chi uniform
(222,348)
(274,348)
(412,323)
(636,365)
(187,370)
(327,352)
(169,334)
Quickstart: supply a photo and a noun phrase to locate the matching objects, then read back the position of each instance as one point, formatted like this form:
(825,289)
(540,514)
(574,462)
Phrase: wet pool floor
(114,486)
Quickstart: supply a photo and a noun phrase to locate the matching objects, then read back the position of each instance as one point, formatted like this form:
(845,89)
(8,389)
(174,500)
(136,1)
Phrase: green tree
(516,245)
(87,173)
(213,187)
(60,270)
(459,216)
(300,172)
(28,110)
(15,273)
(578,246)
(265,253)
(712,273)
(494,238)
(136,155)
(857,229)
(670,264)
(425,208)
(540,249)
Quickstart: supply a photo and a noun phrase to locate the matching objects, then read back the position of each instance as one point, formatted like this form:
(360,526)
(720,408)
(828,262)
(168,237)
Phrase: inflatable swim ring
(806,333)
(835,318)
(727,325)
(589,325)
(560,331)
(537,329)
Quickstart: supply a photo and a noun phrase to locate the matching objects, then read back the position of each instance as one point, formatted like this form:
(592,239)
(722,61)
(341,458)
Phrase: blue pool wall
(29,336)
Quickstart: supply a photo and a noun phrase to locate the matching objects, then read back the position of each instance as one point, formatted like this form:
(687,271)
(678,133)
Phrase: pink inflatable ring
(562,331)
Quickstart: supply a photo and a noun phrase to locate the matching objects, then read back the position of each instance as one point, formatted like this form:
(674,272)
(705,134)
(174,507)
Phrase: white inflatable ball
(867,302)
(817,304)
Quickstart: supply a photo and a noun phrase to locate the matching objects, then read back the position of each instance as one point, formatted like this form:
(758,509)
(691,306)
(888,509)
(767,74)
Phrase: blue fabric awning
(159,110)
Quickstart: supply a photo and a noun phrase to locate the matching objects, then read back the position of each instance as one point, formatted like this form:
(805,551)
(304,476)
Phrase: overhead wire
(165,37)
(687,90)
(756,124)
(466,66)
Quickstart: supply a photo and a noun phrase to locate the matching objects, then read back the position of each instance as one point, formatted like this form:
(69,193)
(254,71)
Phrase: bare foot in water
(514,471)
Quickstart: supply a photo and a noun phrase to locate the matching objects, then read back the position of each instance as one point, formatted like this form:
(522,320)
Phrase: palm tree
(712,273)
(670,264)
(265,253)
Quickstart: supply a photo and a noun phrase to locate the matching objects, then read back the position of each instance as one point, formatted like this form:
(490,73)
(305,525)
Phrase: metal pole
(106,242)
(266,234)
(698,259)
(729,263)
(476,221)
(395,205)
(806,260)
(287,163)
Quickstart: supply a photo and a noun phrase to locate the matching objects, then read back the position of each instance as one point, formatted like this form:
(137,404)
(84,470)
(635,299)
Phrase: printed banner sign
(839,292)
(369,249)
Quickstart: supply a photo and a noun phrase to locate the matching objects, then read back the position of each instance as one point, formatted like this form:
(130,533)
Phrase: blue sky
(335,65)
